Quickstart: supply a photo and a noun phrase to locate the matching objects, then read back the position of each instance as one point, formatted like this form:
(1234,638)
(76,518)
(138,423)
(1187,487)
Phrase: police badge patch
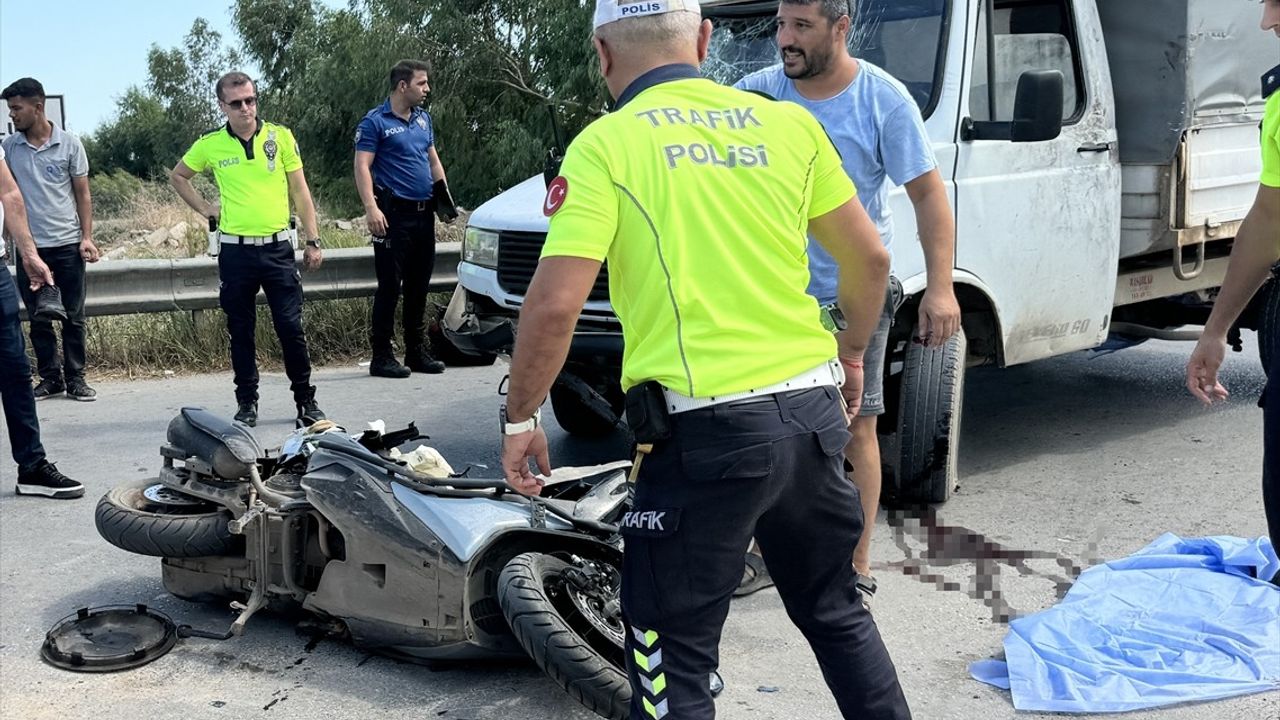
(356,141)
(270,148)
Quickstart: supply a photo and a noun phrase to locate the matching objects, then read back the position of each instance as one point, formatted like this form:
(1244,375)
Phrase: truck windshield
(905,37)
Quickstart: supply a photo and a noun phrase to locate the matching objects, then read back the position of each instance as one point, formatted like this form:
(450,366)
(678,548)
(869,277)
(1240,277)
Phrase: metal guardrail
(129,287)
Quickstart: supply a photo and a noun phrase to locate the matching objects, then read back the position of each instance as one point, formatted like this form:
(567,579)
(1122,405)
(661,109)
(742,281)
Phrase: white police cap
(608,11)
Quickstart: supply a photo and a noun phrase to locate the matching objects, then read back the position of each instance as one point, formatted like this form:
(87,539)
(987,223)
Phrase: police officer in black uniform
(402,185)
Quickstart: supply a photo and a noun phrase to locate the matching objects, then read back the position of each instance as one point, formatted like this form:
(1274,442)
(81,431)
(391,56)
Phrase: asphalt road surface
(1085,457)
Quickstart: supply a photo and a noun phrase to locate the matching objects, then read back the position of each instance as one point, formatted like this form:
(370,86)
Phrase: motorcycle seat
(228,447)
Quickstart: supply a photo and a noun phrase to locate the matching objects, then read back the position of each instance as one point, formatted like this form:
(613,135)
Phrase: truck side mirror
(1037,112)
(1037,108)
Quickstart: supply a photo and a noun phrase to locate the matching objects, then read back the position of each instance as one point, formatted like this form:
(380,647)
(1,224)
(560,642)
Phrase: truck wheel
(148,518)
(929,421)
(1268,322)
(577,417)
(571,630)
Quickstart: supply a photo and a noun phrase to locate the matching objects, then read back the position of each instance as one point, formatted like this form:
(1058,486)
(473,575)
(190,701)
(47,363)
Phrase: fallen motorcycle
(418,567)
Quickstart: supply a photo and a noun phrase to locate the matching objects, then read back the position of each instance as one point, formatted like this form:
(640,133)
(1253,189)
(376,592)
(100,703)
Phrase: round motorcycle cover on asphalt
(107,639)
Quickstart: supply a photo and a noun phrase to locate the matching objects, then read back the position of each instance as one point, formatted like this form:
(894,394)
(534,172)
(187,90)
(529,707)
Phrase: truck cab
(1099,157)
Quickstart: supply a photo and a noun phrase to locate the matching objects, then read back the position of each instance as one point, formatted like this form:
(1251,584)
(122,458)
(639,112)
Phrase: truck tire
(576,418)
(525,591)
(1268,322)
(131,521)
(930,400)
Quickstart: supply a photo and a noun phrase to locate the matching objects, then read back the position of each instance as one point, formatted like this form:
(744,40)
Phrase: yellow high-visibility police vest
(250,175)
(699,197)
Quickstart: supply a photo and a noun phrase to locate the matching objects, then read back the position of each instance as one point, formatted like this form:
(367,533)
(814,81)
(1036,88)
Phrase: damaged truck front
(1106,218)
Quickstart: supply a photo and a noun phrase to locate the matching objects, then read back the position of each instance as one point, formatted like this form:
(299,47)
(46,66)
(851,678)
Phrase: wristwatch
(314,242)
(510,428)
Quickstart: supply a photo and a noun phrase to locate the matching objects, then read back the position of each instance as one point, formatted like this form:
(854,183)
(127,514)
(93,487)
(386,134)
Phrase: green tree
(498,64)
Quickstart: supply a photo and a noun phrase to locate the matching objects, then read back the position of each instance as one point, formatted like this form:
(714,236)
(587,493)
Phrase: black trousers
(15,381)
(771,469)
(242,271)
(404,261)
(1271,448)
(68,274)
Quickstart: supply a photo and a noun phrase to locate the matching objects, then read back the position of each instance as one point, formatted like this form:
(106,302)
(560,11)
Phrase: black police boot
(247,413)
(385,365)
(421,361)
(309,412)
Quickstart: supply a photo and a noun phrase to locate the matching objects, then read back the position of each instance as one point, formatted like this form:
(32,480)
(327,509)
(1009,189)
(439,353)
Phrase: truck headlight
(480,247)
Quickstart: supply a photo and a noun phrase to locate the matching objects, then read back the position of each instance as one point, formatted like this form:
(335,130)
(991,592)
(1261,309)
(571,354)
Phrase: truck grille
(518,257)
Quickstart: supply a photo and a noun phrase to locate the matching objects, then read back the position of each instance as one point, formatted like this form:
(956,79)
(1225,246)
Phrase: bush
(114,193)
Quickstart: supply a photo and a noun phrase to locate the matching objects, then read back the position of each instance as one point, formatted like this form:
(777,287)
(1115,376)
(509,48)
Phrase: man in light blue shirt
(878,129)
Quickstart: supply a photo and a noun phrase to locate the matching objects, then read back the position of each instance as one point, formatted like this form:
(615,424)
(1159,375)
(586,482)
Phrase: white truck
(1105,216)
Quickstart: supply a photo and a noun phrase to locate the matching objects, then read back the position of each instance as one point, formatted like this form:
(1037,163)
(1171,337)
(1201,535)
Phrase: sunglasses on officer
(237,104)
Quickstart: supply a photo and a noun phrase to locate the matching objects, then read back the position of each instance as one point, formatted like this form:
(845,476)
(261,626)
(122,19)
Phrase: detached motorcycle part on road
(412,567)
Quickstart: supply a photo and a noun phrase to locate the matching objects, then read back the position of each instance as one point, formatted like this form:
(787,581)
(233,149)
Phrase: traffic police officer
(257,167)
(1256,249)
(401,183)
(700,197)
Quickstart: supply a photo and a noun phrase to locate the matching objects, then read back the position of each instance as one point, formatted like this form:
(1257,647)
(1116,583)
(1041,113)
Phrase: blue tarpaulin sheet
(1182,620)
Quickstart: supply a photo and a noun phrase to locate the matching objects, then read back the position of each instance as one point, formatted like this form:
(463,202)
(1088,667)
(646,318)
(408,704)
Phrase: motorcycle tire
(129,520)
(553,642)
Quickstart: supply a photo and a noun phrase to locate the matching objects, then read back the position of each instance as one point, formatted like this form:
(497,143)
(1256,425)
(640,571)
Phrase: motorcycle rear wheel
(167,524)
(568,646)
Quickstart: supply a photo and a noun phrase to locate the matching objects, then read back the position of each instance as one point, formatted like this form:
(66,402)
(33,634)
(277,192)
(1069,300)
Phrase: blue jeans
(15,381)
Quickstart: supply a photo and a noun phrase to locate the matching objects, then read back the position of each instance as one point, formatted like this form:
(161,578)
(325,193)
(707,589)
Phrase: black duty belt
(391,202)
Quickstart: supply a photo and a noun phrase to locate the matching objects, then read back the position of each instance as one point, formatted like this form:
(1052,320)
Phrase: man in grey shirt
(52,172)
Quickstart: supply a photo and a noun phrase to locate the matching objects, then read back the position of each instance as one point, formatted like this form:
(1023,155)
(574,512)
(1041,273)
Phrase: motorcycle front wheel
(565,616)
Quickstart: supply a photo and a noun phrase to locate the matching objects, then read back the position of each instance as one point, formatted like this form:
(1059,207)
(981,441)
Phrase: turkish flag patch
(557,191)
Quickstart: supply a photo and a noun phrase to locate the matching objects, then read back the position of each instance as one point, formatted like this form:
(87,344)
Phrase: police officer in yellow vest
(700,196)
(1256,249)
(258,168)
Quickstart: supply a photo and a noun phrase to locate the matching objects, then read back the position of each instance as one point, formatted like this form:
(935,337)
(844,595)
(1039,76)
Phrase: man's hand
(853,383)
(516,451)
(939,316)
(311,258)
(376,221)
(37,272)
(89,251)
(1202,370)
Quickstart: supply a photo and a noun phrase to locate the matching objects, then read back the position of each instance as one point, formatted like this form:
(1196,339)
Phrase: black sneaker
(46,480)
(309,413)
(78,389)
(247,413)
(49,388)
(387,367)
(422,362)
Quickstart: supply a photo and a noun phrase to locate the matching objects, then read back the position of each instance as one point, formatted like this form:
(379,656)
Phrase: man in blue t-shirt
(880,134)
(402,185)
